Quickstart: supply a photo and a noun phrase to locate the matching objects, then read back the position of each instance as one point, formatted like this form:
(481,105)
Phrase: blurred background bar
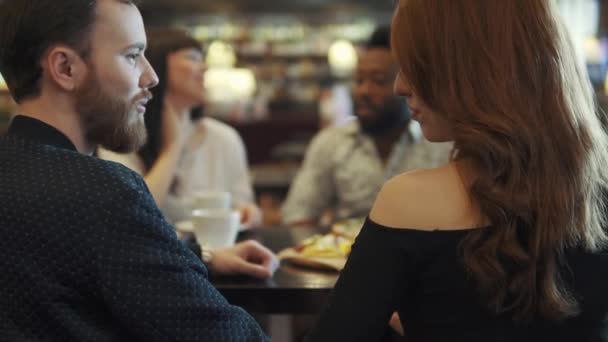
(290,63)
(279,71)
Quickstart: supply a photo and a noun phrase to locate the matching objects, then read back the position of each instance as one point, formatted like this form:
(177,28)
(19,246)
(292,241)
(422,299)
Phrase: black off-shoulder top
(420,274)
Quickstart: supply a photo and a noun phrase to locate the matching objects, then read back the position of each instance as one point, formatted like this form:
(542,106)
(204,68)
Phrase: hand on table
(248,257)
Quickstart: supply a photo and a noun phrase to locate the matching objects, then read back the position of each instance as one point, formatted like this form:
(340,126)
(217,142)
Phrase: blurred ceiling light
(593,50)
(220,55)
(224,85)
(203,33)
(342,58)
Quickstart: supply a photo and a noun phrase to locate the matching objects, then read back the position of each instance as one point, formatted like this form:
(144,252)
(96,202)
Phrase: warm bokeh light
(593,50)
(342,58)
(228,84)
(220,55)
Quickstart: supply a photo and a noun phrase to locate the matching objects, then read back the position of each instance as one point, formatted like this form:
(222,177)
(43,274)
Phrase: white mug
(216,227)
(182,209)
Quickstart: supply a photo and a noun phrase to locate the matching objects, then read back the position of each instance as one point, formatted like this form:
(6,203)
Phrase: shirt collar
(32,129)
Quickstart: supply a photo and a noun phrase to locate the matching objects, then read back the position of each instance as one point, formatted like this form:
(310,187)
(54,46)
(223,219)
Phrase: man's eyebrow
(138,46)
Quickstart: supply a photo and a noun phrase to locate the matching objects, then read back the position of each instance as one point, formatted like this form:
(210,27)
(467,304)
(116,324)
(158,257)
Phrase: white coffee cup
(183,207)
(216,227)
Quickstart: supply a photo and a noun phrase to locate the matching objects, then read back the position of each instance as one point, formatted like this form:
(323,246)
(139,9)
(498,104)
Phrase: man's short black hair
(29,27)
(380,38)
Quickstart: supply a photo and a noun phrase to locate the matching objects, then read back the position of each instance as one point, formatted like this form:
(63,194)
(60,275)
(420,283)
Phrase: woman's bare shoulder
(427,200)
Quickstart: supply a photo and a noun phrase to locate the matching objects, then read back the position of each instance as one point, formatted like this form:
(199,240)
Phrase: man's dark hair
(29,27)
(380,38)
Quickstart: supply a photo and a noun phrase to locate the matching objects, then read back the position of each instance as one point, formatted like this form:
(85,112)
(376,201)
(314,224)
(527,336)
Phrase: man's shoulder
(336,134)
(32,152)
(64,169)
(115,172)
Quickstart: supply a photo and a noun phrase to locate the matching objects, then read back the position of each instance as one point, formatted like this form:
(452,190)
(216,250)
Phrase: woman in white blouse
(187,152)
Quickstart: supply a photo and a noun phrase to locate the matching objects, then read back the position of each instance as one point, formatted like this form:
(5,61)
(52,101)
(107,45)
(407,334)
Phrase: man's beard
(111,122)
(388,116)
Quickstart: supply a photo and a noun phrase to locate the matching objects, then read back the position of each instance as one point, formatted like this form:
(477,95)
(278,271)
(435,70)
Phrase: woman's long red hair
(505,75)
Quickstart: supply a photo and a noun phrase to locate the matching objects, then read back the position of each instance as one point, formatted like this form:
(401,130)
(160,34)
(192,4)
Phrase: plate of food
(328,251)
(348,228)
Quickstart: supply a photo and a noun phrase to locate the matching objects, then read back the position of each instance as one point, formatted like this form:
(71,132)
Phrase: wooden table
(292,289)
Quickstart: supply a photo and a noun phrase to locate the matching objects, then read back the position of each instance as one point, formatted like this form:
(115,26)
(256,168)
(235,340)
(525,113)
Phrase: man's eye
(132,57)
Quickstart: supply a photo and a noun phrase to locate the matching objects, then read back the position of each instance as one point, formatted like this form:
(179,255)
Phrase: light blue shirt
(343,171)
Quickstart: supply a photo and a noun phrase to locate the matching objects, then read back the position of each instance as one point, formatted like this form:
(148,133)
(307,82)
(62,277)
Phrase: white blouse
(218,163)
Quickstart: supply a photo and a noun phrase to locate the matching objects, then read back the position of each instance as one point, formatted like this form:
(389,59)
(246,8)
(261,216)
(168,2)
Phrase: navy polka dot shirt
(86,255)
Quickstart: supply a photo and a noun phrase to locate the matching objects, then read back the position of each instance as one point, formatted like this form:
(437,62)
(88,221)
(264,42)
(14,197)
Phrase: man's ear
(65,68)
